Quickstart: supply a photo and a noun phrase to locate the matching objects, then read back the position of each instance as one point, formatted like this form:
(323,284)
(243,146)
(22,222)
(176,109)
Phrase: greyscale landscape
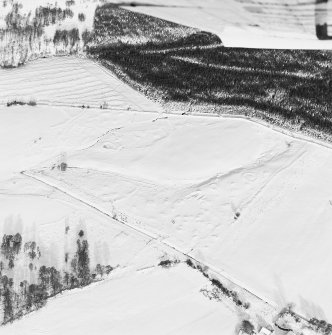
(165,167)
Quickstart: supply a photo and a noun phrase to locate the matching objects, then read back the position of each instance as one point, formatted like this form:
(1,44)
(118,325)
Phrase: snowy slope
(42,215)
(235,195)
(33,135)
(133,295)
(69,81)
(155,301)
(248,202)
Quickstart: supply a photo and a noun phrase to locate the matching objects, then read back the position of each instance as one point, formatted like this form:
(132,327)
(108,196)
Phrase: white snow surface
(69,81)
(154,301)
(138,297)
(247,201)
(185,178)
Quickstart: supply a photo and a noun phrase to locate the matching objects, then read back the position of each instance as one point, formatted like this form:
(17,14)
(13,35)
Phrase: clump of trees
(29,298)
(32,250)
(287,320)
(190,263)
(101,270)
(10,247)
(219,290)
(7,295)
(67,37)
(18,300)
(247,327)
(45,16)
(81,17)
(87,37)
(167,263)
(70,3)
(14,19)
(321,326)
(83,262)
(288,312)
(24,33)
(21,103)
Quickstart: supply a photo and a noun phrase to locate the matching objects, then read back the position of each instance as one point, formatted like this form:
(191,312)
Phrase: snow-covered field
(252,204)
(237,196)
(152,301)
(69,81)
(136,291)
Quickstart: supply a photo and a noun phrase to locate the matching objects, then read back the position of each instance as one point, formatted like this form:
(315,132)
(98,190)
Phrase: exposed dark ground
(190,70)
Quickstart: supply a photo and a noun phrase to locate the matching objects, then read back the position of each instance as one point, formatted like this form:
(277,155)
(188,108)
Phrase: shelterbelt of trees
(22,36)
(19,296)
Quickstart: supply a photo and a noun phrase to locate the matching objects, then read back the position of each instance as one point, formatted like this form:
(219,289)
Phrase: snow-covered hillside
(233,194)
(136,289)
(151,301)
(250,205)
(70,81)
(43,228)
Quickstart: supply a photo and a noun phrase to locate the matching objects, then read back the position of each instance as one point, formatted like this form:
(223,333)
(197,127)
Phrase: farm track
(278,129)
(219,273)
(270,305)
(267,306)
